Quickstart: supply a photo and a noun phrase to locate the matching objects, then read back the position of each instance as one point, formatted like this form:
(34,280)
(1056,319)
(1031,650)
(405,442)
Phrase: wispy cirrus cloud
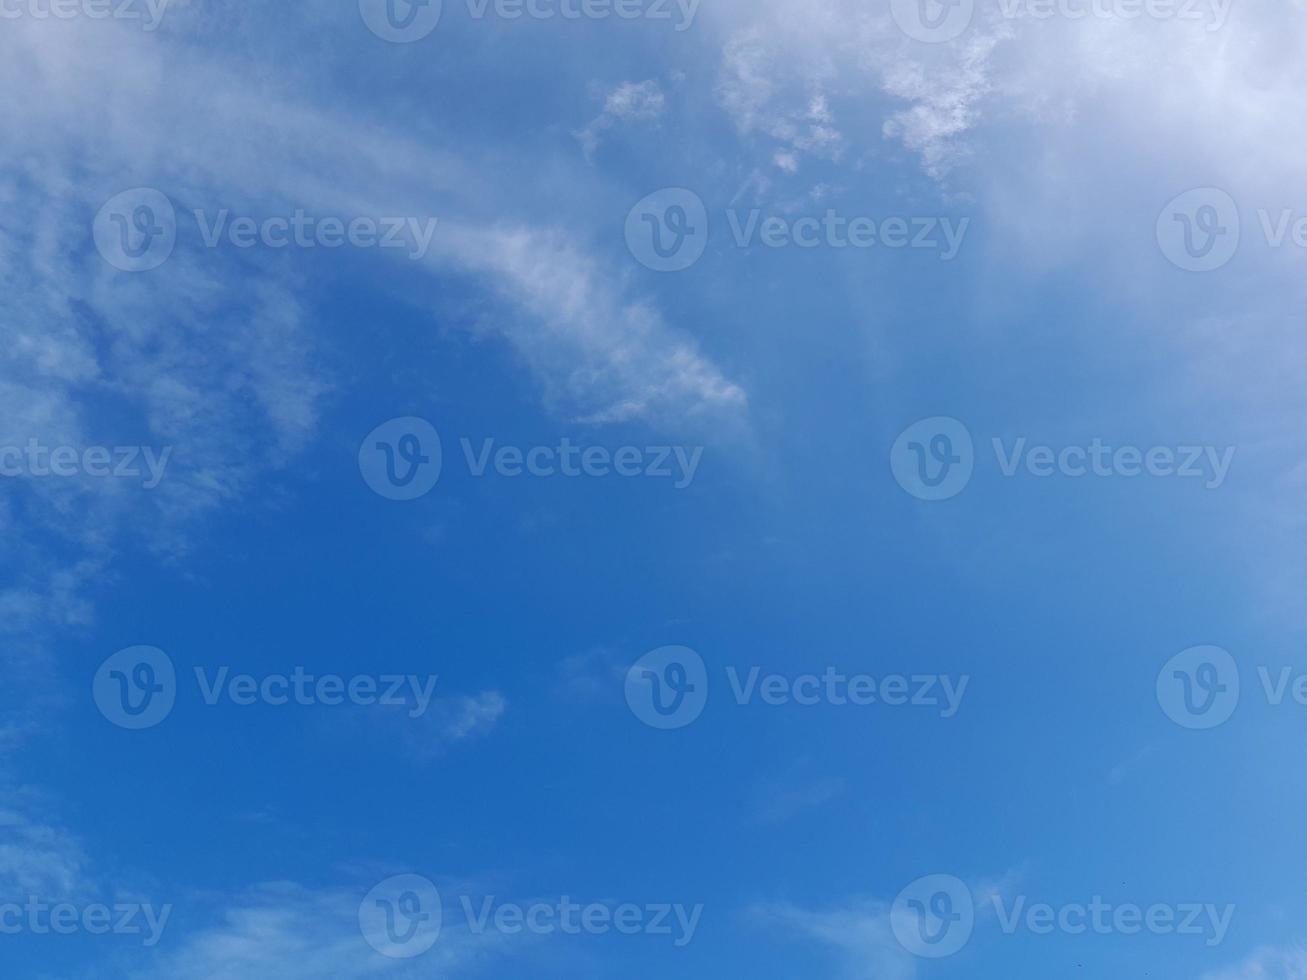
(37,857)
(289,931)
(216,355)
(858,937)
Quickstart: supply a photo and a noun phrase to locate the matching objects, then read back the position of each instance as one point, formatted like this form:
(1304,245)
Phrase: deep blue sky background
(793,550)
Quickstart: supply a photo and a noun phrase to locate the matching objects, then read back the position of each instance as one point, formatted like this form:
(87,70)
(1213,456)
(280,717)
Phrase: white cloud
(1267,964)
(286,931)
(945,97)
(781,800)
(858,935)
(602,356)
(469,716)
(449,721)
(1062,140)
(796,118)
(36,857)
(234,144)
(593,677)
(630,102)
(212,353)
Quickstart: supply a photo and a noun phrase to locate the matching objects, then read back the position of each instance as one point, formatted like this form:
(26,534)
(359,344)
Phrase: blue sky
(244,490)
